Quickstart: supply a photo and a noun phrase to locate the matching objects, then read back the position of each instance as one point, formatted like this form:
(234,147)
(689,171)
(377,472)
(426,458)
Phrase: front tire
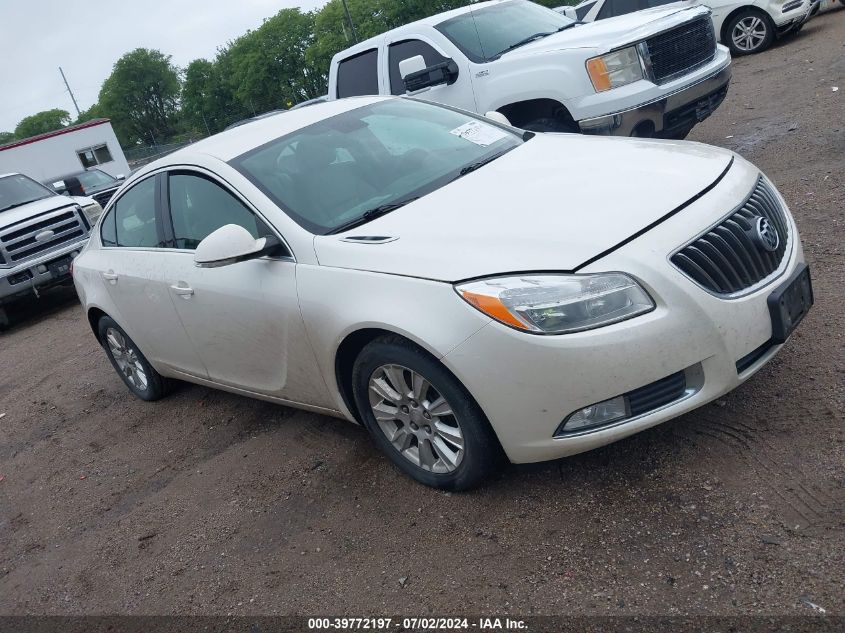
(421,416)
(749,32)
(549,124)
(129,363)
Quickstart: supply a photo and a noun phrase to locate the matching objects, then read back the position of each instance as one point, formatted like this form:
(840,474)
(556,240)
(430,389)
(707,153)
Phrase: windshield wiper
(533,38)
(479,164)
(372,214)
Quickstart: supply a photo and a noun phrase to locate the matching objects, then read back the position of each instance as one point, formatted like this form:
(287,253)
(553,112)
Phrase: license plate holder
(789,304)
(59,268)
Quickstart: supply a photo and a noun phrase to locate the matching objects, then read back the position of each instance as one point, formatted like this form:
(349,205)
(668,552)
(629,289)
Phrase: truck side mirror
(570,13)
(417,75)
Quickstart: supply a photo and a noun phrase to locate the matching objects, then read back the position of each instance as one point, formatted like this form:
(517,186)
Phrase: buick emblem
(766,235)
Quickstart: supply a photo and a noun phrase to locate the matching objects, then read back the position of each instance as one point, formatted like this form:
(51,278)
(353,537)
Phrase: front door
(244,318)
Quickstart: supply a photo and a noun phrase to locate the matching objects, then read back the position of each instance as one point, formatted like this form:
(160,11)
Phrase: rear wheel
(4,318)
(129,363)
(748,32)
(421,416)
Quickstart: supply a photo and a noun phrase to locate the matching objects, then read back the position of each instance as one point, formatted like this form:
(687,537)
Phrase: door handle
(183,291)
(110,276)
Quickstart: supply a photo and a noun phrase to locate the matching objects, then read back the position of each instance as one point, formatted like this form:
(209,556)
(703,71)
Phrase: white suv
(745,26)
(641,75)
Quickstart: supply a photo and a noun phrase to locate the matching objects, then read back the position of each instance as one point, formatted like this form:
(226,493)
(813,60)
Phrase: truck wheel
(550,125)
(749,31)
(4,318)
(129,363)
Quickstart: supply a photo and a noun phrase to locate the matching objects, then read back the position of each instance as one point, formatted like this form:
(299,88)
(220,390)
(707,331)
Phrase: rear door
(135,274)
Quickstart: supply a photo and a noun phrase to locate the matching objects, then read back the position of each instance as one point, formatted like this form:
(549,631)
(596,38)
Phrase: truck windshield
(350,168)
(17,190)
(485,34)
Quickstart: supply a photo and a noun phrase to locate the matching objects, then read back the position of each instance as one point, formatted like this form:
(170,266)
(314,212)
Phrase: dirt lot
(210,503)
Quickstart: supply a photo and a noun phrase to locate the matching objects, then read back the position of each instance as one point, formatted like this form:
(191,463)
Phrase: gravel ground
(209,503)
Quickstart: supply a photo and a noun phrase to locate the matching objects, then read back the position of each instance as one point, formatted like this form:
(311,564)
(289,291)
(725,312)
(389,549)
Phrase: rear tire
(129,363)
(429,425)
(4,318)
(748,32)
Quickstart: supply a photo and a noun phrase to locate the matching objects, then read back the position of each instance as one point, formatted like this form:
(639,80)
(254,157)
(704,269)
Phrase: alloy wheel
(416,419)
(127,359)
(749,33)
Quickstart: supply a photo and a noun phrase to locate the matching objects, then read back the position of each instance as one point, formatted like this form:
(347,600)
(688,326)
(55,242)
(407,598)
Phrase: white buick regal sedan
(469,292)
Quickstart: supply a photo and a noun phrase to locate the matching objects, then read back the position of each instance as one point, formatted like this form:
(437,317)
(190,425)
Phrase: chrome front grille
(733,256)
(40,234)
(680,50)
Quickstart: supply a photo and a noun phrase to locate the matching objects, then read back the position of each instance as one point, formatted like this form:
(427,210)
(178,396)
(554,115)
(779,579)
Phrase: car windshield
(17,190)
(94,179)
(485,34)
(353,166)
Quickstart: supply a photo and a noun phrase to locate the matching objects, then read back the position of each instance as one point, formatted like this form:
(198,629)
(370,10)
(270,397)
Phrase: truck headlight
(558,304)
(93,212)
(615,69)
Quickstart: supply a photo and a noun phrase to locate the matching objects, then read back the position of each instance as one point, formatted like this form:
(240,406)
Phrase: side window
(135,216)
(358,76)
(199,207)
(582,11)
(404,50)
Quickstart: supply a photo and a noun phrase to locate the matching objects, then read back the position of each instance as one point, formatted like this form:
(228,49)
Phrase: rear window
(358,76)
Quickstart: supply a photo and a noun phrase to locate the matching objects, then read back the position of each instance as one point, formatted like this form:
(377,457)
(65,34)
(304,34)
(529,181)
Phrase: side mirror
(417,78)
(120,177)
(570,13)
(498,117)
(231,244)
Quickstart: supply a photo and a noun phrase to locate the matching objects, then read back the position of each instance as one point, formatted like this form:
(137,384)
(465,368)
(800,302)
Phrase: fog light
(595,415)
(41,268)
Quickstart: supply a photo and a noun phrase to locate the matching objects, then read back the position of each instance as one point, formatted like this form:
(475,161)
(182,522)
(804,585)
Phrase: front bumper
(26,278)
(669,114)
(528,384)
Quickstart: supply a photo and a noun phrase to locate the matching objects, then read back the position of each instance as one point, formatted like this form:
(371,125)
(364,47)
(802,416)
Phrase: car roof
(232,143)
(74,174)
(430,21)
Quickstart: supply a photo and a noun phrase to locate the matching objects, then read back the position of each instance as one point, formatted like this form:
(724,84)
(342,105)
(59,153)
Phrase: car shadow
(32,310)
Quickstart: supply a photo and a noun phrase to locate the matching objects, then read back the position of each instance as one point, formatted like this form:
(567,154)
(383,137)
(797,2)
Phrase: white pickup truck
(40,234)
(651,73)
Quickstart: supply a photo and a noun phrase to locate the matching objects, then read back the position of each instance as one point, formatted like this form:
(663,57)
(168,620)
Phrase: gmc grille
(18,241)
(730,258)
(681,50)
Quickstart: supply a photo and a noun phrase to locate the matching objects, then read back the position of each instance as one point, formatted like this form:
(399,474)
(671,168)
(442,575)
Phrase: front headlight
(558,304)
(93,212)
(615,69)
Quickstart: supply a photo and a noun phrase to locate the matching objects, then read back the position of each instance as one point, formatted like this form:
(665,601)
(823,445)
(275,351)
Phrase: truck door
(458,94)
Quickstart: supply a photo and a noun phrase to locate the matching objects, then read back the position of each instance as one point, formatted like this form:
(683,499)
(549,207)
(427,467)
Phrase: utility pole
(351,23)
(75,105)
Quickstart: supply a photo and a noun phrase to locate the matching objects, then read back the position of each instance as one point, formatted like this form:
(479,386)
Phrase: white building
(66,151)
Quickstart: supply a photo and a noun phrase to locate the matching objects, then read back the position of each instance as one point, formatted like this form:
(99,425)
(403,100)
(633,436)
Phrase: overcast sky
(86,37)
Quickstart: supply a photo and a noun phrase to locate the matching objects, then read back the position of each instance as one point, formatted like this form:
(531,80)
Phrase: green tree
(42,122)
(94,112)
(6,137)
(208,104)
(141,96)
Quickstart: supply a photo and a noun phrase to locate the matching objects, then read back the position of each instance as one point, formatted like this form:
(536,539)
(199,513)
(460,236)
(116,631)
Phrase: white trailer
(66,151)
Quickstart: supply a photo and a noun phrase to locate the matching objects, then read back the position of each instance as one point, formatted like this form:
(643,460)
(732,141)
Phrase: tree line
(151,101)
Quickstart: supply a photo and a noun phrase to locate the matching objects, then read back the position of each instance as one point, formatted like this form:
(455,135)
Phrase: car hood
(606,35)
(38,207)
(553,203)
